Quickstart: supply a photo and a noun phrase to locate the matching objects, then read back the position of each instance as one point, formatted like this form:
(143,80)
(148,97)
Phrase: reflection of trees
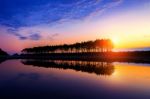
(2,60)
(99,68)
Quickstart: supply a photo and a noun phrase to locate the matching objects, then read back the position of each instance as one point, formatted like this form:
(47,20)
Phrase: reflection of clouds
(31,76)
(52,76)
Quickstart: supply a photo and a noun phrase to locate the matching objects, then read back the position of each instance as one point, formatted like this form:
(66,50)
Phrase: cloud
(51,14)
(35,36)
(99,10)
(21,36)
(52,37)
(14,31)
(32,33)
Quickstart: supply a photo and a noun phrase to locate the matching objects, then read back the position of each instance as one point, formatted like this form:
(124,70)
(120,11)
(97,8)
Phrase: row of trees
(99,45)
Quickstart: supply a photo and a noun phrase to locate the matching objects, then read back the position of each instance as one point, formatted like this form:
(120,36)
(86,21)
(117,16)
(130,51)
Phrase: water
(47,79)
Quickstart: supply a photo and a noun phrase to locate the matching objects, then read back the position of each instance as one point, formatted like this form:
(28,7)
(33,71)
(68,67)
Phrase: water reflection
(2,60)
(99,68)
(59,80)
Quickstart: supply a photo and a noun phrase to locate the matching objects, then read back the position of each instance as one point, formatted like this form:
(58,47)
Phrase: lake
(61,79)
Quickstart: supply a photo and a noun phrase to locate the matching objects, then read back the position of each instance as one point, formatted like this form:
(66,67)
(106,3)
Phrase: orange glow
(131,73)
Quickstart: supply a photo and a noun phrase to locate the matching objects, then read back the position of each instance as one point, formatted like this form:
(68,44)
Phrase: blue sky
(27,13)
(32,21)
(17,13)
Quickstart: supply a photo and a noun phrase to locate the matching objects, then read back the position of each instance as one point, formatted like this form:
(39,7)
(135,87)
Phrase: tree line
(99,45)
(3,53)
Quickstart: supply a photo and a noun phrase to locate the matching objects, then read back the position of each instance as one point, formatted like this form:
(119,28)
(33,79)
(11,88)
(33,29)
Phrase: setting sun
(115,40)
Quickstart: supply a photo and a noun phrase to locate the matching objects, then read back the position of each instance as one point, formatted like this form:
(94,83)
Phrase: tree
(3,53)
(99,45)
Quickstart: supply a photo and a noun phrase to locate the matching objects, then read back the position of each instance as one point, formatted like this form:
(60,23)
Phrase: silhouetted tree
(3,53)
(99,45)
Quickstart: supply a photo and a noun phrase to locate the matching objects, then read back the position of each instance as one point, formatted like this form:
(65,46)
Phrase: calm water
(36,79)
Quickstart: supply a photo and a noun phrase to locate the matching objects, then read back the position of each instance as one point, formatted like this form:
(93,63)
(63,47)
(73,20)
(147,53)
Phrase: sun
(115,40)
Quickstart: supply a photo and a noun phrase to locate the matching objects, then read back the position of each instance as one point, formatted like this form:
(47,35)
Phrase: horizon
(114,49)
(25,24)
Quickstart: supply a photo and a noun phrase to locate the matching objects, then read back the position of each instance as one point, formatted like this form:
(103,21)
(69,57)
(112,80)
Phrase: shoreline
(133,57)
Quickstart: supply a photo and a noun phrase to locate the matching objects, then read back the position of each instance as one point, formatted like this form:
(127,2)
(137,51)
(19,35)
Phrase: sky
(29,23)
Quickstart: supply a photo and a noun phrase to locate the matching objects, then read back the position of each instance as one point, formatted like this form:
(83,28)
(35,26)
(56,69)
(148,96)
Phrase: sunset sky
(28,23)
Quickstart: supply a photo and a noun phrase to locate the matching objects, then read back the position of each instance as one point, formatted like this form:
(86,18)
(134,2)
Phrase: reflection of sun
(115,73)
